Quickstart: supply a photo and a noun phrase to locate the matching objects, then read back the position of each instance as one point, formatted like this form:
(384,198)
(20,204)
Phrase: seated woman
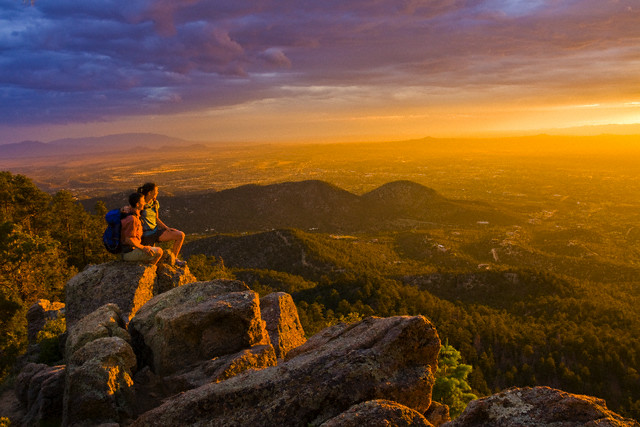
(131,235)
(154,230)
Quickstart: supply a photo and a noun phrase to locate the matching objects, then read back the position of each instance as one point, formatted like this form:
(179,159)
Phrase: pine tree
(451,386)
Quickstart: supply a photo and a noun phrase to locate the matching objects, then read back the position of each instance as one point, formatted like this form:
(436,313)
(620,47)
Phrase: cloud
(65,61)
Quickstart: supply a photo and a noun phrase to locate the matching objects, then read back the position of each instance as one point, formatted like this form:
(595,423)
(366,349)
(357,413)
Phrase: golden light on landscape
(327,171)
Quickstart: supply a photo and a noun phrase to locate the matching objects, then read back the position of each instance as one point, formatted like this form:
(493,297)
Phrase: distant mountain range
(90,145)
(317,205)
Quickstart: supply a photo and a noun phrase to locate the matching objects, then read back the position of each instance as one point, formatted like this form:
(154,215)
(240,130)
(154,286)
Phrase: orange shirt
(131,231)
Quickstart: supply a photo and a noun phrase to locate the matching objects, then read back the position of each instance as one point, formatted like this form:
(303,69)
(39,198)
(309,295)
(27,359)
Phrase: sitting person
(131,235)
(154,230)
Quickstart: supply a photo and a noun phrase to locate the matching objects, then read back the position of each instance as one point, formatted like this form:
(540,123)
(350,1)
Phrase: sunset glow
(227,71)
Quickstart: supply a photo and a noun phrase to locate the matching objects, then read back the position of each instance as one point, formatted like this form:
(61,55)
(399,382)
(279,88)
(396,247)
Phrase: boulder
(106,321)
(538,407)
(128,285)
(39,314)
(197,322)
(392,358)
(170,276)
(39,389)
(378,413)
(99,385)
(283,324)
(437,414)
(221,368)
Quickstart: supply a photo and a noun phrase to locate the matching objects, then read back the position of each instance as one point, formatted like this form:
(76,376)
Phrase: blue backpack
(111,236)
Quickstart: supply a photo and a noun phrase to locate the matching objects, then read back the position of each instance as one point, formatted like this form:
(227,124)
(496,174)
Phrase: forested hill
(318,205)
(516,324)
(550,300)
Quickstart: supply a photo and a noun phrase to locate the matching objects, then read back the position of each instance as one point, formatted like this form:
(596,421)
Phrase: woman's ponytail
(146,188)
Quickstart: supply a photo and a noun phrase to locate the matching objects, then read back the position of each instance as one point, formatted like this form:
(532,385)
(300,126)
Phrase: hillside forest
(528,268)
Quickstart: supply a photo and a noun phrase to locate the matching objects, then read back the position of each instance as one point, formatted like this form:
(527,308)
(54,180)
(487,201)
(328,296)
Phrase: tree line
(44,240)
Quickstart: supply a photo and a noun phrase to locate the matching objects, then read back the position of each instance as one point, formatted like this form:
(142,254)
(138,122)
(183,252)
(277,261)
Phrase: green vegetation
(552,299)
(49,341)
(44,240)
(451,387)
(513,323)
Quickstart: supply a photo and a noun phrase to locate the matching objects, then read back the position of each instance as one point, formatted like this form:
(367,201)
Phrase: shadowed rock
(128,285)
(392,358)
(196,322)
(283,324)
(539,407)
(378,413)
(40,389)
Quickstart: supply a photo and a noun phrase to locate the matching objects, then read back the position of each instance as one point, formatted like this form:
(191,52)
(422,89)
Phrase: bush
(49,341)
(451,386)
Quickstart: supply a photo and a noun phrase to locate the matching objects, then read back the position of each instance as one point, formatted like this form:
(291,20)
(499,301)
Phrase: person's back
(131,235)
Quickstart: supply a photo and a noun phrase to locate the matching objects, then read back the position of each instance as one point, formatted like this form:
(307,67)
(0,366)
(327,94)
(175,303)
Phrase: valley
(524,253)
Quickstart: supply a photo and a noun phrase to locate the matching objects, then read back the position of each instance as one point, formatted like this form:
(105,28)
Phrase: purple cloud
(65,61)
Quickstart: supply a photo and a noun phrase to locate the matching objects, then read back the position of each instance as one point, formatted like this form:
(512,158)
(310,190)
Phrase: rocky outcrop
(105,322)
(220,368)
(39,389)
(170,276)
(539,407)
(196,322)
(212,353)
(437,414)
(391,358)
(378,413)
(200,333)
(39,314)
(99,384)
(100,365)
(128,285)
(283,325)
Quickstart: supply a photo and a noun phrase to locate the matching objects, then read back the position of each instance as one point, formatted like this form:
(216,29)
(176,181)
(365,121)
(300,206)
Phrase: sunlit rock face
(104,322)
(283,324)
(128,285)
(170,276)
(378,413)
(392,358)
(197,322)
(538,407)
(99,372)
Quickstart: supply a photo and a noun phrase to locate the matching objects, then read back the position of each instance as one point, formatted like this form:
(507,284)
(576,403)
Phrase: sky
(315,70)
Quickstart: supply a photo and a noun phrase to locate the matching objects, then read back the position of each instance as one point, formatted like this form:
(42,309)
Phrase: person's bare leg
(178,238)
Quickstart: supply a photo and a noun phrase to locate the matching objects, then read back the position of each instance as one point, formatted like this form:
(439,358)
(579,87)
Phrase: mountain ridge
(89,145)
(317,205)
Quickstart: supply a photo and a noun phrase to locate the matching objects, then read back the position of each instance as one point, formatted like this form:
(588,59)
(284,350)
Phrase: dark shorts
(153,238)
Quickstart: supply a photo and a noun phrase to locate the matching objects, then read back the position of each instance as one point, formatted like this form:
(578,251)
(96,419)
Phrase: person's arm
(162,224)
(158,220)
(129,237)
(127,231)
